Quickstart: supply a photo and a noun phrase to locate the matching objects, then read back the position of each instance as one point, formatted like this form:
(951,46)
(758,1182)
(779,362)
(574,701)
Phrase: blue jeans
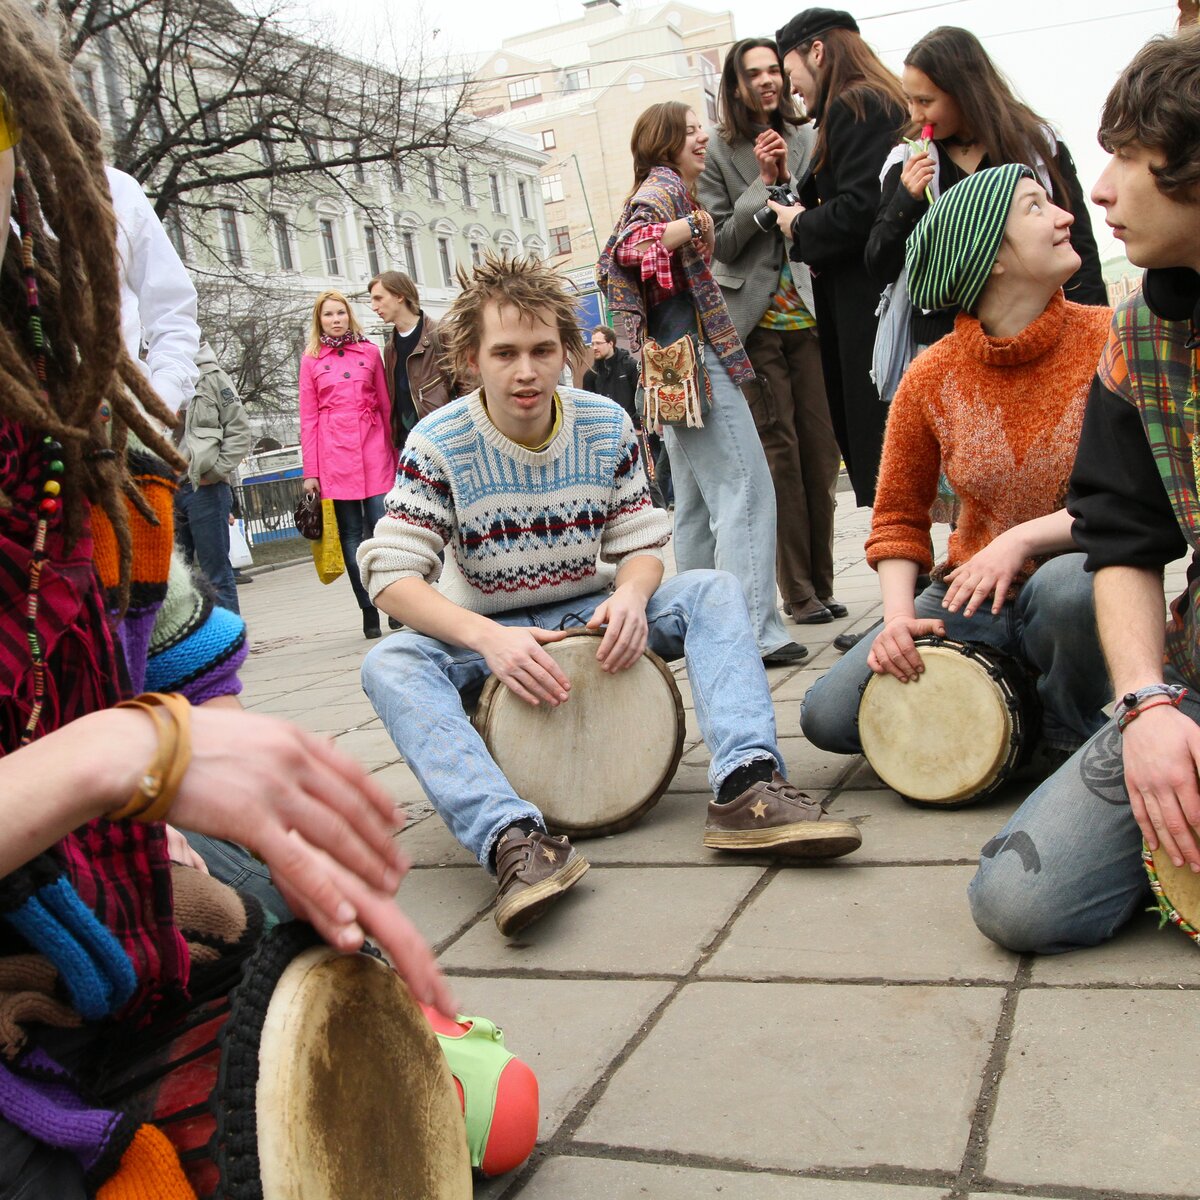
(725,502)
(202,531)
(1051,625)
(236,866)
(416,684)
(356,521)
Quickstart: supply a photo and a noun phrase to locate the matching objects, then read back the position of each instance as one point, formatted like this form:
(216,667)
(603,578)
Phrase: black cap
(810,24)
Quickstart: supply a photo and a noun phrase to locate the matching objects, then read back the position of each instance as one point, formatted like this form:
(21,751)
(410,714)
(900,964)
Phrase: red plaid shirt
(661,272)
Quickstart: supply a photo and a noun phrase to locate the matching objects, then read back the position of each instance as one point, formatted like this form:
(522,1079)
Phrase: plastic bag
(327,553)
(239,548)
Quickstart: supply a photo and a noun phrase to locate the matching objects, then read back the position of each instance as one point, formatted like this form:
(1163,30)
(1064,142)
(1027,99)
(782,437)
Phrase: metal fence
(268,508)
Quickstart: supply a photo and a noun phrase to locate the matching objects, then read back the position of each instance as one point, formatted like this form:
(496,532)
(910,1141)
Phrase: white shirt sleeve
(158,301)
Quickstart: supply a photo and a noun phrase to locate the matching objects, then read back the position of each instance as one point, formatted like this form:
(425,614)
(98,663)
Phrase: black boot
(371,623)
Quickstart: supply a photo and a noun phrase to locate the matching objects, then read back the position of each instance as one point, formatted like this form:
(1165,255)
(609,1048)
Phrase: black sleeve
(837,230)
(895,219)
(1123,515)
(589,380)
(1087,285)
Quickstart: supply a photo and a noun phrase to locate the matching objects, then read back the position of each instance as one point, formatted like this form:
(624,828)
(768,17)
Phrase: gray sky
(1062,56)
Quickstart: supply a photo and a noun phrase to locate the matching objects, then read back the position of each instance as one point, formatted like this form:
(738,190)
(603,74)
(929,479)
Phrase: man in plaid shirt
(1067,870)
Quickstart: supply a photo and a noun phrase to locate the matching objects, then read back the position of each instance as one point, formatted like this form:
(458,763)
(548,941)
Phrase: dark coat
(617,378)
(830,236)
(899,213)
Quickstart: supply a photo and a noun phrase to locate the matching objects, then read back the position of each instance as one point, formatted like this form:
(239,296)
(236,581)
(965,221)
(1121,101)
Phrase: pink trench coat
(345,422)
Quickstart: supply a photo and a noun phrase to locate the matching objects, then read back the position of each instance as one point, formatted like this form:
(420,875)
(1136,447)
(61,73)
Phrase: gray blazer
(747,262)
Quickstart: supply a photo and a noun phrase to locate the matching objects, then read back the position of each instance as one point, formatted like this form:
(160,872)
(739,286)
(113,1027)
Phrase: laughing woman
(345,431)
(655,270)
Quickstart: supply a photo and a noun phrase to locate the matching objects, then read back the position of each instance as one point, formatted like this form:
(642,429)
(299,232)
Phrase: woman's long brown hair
(658,137)
(70,218)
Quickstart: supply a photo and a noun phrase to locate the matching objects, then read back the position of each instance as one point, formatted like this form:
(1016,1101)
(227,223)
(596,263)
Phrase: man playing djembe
(529,486)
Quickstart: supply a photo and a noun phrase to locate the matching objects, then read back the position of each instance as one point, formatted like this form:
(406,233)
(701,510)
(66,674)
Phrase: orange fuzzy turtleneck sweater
(1001,417)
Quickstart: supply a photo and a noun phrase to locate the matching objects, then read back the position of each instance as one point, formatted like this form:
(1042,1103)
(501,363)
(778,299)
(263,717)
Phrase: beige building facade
(578,88)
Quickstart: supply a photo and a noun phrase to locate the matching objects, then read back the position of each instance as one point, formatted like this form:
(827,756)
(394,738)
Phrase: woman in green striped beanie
(997,405)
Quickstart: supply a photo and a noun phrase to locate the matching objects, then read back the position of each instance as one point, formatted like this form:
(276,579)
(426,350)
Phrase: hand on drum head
(624,640)
(515,656)
(893,651)
(988,573)
(1161,751)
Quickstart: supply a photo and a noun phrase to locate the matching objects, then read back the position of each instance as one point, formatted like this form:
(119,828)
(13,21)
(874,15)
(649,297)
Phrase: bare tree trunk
(1189,12)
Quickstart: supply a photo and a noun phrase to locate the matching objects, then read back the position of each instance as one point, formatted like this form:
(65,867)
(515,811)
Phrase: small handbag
(676,389)
(308,517)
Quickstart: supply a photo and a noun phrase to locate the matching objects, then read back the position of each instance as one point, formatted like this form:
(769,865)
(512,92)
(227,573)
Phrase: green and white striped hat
(951,252)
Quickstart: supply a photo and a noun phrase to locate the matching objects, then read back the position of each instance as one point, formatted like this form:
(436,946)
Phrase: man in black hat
(859,108)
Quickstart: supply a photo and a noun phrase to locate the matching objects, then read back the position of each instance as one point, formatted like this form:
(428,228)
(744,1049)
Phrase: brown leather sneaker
(776,818)
(532,872)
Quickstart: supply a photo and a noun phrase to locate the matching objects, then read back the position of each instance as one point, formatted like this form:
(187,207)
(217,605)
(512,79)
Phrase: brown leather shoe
(532,871)
(776,818)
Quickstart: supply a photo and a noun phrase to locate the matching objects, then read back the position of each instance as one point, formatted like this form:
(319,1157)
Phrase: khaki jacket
(216,431)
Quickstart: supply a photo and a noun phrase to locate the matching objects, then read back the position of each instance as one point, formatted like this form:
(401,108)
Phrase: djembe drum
(956,734)
(317,1077)
(598,763)
(1176,891)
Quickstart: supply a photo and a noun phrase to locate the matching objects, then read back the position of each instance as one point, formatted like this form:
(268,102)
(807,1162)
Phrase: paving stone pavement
(701,1027)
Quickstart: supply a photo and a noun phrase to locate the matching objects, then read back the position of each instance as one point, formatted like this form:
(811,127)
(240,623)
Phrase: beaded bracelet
(159,784)
(694,227)
(1133,704)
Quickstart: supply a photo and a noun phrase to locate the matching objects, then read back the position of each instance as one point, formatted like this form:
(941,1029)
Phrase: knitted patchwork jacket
(1001,417)
(525,527)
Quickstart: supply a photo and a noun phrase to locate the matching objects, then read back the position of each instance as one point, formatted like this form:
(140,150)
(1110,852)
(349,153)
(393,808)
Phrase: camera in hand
(781,193)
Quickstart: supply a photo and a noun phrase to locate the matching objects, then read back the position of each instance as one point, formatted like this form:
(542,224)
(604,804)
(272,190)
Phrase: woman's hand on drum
(624,641)
(312,486)
(893,651)
(917,174)
(988,573)
(1161,753)
(515,656)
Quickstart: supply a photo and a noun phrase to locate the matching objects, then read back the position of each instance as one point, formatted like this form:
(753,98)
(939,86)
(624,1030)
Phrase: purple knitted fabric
(52,1113)
(134,635)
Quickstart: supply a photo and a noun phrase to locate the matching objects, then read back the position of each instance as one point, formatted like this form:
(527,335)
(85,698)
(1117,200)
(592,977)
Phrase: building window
(523,196)
(710,106)
(476,254)
(561,237)
(524,90)
(444,259)
(576,81)
(431,177)
(329,247)
(548,142)
(398,180)
(372,249)
(494,184)
(283,243)
(231,237)
(85,85)
(174,228)
(464,182)
(552,189)
(408,251)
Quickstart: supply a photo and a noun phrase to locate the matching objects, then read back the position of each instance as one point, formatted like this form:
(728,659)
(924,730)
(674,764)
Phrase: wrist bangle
(1132,704)
(694,225)
(159,784)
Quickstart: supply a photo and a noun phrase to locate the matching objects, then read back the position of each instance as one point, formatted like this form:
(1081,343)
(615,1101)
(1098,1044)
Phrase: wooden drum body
(1176,890)
(598,763)
(956,734)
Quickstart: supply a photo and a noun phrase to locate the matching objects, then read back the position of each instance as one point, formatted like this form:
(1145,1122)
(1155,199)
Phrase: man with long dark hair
(765,144)
(858,108)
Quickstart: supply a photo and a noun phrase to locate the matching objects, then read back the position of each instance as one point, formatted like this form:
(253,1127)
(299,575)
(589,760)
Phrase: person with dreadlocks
(92,939)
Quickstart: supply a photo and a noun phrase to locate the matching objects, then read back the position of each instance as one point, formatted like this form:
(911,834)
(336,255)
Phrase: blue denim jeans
(416,684)
(725,502)
(202,531)
(1051,625)
(356,521)
(236,866)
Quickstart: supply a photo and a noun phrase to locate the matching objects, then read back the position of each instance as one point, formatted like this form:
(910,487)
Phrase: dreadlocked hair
(65,211)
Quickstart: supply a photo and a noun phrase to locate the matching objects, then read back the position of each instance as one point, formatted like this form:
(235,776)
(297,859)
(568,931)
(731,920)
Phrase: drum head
(596,764)
(1177,890)
(354,1094)
(942,739)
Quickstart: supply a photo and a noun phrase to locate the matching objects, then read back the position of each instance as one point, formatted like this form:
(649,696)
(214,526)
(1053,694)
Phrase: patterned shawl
(663,197)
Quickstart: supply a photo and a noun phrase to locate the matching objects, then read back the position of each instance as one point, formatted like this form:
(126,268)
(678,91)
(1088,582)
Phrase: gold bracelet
(159,784)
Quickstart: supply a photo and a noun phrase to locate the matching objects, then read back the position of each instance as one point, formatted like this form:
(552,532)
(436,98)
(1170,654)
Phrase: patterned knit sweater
(525,527)
(1001,417)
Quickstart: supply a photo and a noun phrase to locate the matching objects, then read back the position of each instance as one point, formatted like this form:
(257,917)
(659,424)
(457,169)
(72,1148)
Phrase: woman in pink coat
(345,431)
